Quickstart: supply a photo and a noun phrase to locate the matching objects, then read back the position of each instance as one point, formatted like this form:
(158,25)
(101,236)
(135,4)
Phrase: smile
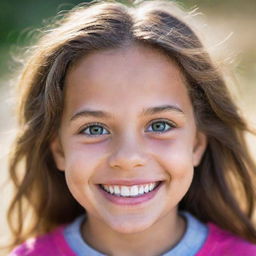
(129,191)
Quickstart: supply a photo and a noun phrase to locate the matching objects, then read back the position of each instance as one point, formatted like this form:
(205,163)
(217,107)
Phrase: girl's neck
(157,239)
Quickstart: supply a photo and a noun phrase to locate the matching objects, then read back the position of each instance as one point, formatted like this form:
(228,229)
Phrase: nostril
(126,163)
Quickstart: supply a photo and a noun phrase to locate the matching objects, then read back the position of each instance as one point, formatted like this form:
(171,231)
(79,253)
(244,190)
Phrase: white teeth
(134,190)
(111,189)
(116,190)
(129,191)
(125,191)
(106,188)
(141,190)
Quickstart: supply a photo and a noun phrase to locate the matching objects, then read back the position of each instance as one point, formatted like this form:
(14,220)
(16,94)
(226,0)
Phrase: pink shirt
(218,243)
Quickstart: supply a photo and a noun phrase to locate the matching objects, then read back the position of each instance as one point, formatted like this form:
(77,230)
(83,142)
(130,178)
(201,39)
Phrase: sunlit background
(227,27)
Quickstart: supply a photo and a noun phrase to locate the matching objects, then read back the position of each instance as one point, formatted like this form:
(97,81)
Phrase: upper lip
(131,182)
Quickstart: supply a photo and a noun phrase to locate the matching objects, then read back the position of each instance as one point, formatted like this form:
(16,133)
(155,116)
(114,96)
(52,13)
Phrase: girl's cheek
(82,159)
(175,156)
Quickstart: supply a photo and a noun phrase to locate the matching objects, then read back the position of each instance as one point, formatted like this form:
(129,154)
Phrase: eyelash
(170,124)
(91,125)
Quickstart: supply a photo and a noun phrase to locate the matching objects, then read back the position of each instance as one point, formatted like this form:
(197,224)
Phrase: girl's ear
(58,154)
(199,148)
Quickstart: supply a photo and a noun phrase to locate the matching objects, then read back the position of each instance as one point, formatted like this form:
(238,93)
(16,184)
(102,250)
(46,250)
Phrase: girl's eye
(94,130)
(97,129)
(160,126)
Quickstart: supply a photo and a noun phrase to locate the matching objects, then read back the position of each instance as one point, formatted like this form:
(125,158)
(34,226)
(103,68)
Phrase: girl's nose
(127,155)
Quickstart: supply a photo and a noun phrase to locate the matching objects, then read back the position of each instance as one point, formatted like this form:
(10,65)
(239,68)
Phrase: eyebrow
(148,111)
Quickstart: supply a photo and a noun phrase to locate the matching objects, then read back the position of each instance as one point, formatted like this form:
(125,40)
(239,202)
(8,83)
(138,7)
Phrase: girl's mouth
(129,191)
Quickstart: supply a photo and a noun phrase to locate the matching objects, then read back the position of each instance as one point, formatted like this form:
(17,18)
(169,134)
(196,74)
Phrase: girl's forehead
(134,75)
(134,61)
(137,57)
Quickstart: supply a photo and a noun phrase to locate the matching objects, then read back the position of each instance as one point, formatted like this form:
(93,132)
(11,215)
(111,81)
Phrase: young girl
(129,141)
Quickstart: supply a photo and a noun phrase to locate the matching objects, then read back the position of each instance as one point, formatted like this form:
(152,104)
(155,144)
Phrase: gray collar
(191,242)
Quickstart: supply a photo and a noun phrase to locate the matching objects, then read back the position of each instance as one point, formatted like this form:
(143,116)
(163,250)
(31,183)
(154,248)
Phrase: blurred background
(227,27)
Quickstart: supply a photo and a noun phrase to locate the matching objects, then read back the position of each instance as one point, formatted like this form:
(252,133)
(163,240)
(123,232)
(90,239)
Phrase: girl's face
(128,141)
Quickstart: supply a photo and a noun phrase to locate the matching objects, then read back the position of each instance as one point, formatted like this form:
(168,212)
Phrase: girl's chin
(130,225)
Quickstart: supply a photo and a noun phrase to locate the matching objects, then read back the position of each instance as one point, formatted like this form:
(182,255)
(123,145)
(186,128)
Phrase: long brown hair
(222,191)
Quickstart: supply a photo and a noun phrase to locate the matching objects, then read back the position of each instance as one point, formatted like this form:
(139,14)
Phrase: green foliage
(18,20)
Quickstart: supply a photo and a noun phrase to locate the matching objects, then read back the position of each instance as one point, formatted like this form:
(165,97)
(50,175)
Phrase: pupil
(95,129)
(158,126)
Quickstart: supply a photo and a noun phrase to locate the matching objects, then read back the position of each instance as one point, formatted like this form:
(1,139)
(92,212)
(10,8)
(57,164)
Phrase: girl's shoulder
(51,244)
(222,242)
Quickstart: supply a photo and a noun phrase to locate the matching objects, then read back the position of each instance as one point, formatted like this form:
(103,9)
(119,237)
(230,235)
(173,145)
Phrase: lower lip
(130,200)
